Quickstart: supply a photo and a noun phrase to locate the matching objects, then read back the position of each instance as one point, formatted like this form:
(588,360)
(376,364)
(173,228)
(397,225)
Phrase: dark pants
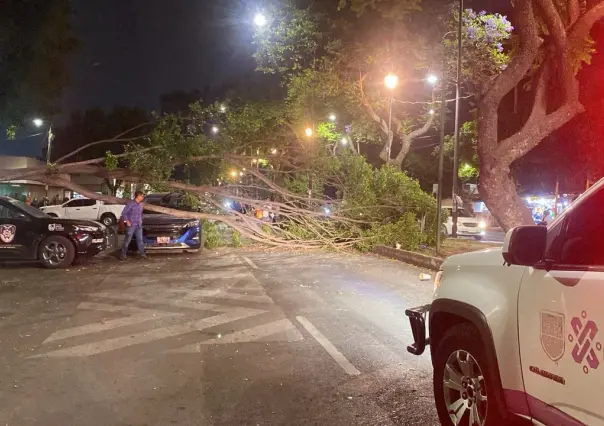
(130,231)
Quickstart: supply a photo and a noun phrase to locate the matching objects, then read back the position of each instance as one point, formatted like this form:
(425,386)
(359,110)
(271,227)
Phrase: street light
(432,79)
(391,81)
(308,132)
(38,122)
(332,117)
(260,20)
(214,129)
(234,173)
(431,112)
(344,141)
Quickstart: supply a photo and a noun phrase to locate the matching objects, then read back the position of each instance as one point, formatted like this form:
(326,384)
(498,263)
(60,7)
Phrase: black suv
(26,233)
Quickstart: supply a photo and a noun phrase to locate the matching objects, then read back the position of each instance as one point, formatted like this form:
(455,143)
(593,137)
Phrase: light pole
(391,81)
(441,157)
(38,122)
(457,102)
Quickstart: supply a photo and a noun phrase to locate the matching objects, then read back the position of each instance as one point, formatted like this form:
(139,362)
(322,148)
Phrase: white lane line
(249,262)
(329,347)
(138,316)
(150,335)
(221,294)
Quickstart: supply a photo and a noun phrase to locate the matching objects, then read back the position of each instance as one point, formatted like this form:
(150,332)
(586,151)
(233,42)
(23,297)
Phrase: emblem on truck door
(552,334)
(583,335)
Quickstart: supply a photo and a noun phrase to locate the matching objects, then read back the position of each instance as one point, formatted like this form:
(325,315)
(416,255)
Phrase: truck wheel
(56,252)
(463,394)
(108,219)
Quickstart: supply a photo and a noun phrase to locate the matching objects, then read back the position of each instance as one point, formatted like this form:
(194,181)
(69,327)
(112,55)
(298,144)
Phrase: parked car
(84,208)
(467,224)
(26,233)
(167,232)
(517,332)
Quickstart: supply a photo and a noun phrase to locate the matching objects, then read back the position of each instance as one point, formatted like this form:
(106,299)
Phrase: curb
(410,257)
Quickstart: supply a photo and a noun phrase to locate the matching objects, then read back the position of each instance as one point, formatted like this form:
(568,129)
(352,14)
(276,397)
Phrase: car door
(16,233)
(561,320)
(81,208)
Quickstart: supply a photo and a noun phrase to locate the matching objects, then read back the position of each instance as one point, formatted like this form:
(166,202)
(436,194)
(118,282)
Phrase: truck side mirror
(525,245)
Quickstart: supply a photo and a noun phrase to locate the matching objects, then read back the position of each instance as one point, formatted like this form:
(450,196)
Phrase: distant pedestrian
(132,218)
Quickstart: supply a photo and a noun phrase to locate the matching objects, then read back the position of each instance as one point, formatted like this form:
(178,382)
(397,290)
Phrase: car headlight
(437,279)
(482,224)
(85,228)
(192,224)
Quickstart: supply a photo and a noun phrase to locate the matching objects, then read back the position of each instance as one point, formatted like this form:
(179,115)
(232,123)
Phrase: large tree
(553,41)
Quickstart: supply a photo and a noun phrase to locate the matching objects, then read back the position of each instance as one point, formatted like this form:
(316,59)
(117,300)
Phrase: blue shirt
(133,213)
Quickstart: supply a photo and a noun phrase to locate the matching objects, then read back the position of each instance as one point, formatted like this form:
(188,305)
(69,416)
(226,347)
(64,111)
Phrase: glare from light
(234,173)
(482,224)
(243,169)
(344,141)
(38,122)
(391,81)
(332,117)
(327,211)
(214,129)
(432,79)
(274,151)
(260,20)
(228,204)
(431,112)
(240,173)
(223,108)
(308,132)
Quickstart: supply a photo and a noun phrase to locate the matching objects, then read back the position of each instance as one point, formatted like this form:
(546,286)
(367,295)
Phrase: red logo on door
(585,332)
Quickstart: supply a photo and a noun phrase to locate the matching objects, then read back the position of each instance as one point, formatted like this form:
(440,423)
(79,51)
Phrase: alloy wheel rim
(54,253)
(465,390)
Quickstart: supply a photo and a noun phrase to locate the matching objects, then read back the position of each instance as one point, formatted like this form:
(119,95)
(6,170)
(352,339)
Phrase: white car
(84,208)
(518,333)
(467,224)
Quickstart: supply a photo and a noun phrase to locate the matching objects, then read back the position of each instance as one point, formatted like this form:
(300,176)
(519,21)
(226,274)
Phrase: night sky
(134,51)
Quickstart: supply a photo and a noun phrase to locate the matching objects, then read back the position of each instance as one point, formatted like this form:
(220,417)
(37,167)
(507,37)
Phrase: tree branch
(524,58)
(580,30)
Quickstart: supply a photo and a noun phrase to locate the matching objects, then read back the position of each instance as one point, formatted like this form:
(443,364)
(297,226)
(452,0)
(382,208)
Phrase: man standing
(132,217)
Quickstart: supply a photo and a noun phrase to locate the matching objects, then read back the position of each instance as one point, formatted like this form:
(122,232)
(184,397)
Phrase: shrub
(212,237)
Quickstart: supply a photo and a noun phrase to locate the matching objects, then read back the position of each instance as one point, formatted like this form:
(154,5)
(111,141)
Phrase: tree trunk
(499,193)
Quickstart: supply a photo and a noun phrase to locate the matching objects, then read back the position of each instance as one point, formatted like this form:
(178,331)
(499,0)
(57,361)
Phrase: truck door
(561,320)
(82,208)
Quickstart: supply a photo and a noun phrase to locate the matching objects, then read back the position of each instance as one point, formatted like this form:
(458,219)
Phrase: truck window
(81,202)
(582,239)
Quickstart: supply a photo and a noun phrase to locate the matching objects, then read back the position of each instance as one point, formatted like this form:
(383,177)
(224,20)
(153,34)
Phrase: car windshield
(32,211)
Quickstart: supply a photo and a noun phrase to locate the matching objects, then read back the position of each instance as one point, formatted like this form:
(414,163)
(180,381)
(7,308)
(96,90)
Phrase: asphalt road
(225,339)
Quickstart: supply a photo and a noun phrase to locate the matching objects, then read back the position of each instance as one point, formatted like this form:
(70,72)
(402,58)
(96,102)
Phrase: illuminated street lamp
(391,81)
(214,129)
(308,132)
(431,112)
(234,173)
(332,117)
(260,20)
(432,79)
(38,122)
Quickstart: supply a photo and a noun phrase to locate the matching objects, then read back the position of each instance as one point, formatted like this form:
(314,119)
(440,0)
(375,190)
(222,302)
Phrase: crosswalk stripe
(177,303)
(262,332)
(151,335)
(140,316)
(221,294)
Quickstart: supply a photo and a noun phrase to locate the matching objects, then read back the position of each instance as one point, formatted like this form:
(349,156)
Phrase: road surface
(233,338)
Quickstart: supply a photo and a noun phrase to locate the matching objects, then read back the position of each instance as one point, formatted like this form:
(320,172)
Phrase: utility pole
(50,137)
(441,156)
(457,101)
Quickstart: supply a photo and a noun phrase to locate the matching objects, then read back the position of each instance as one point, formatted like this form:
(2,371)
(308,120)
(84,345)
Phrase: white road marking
(329,347)
(140,316)
(221,294)
(249,262)
(151,335)
(200,306)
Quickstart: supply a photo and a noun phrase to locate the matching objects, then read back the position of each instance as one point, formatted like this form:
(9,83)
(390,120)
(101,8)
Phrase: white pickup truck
(518,333)
(84,208)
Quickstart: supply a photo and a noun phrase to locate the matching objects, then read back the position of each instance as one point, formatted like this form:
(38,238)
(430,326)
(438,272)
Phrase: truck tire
(56,252)
(108,219)
(461,389)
